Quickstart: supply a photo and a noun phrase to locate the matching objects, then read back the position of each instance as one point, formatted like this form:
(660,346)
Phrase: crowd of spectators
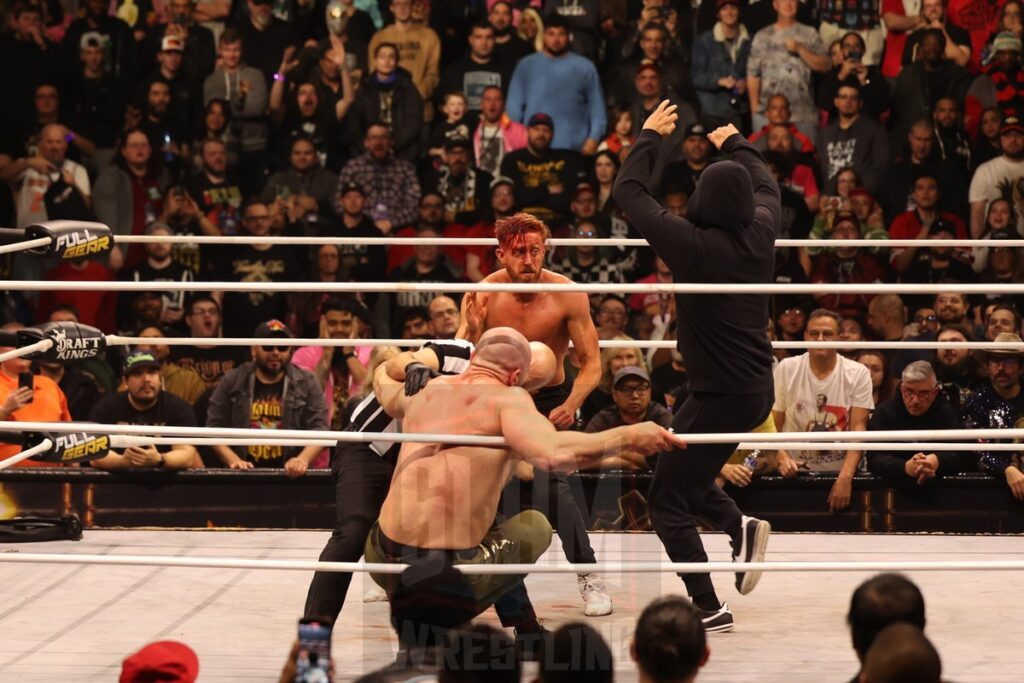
(365,118)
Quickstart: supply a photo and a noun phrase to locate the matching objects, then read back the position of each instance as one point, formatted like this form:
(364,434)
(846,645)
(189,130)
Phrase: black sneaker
(719,621)
(754,535)
(530,643)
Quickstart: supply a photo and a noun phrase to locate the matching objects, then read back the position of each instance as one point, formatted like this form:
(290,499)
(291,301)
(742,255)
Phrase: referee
(727,236)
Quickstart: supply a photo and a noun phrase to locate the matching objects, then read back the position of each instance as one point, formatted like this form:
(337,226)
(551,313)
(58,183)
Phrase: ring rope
(40,447)
(492,569)
(25,246)
(554,241)
(522,288)
(117,340)
(495,441)
(124,441)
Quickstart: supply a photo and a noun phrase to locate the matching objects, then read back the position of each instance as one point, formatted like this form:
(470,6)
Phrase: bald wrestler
(554,319)
(443,499)
(362,473)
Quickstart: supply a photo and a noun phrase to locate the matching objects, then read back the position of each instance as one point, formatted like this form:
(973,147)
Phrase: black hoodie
(728,236)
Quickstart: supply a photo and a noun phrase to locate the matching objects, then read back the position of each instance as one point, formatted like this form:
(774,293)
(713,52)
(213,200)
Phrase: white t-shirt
(820,405)
(990,175)
(31,208)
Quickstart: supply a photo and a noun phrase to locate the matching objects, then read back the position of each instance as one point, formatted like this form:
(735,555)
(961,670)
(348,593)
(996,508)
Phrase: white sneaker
(375,594)
(595,597)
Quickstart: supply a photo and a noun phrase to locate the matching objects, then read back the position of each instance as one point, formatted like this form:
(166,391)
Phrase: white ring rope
(25,246)
(492,569)
(496,441)
(554,241)
(118,340)
(123,441)
(40,447)
(522,288)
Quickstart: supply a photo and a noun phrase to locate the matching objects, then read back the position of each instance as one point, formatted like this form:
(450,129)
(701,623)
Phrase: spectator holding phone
(27,398)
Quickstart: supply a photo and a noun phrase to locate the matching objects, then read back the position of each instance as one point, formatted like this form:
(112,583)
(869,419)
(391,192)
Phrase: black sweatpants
(683,488)
(362,479)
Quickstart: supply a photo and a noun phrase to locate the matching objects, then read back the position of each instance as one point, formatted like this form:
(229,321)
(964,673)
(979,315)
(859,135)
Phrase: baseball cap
(91,39)
(1011,123)
(140,360)
(647,65)
(1007,40)
(541,119)
(458,142)
(352,186)
(695,129)
(165,660)
(941,225)
(502,180)
(273,329)
(630,371)
(581,188)
(846,217)
(174,43)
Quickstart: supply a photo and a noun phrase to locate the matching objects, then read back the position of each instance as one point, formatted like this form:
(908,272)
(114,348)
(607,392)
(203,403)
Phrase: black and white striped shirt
(452,359)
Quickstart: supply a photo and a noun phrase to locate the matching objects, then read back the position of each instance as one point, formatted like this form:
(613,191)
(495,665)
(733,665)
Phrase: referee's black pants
(683,488)
(362,479)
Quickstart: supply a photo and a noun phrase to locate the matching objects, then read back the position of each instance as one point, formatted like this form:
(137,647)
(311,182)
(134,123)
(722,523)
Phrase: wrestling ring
(73,610)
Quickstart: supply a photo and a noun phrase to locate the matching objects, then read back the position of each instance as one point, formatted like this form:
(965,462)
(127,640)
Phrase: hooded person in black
(727,236)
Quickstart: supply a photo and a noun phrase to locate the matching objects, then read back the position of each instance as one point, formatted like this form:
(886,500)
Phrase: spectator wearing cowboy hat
(998,404)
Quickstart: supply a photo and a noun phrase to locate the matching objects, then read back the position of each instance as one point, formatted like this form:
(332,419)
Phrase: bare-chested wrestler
(554,319)
(362,472)
(443,499)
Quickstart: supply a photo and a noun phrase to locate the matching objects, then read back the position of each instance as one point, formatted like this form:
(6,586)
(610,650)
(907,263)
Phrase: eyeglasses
(268,349)
(585,233)
(926,319)
(1006,360)
(793,311)
(634,389)
(918,394)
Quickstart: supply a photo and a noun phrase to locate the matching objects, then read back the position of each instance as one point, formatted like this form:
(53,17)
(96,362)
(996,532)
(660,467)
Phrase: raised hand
(663,119)
(719,135)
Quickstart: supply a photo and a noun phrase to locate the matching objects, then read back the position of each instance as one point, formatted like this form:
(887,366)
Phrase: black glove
(416,377)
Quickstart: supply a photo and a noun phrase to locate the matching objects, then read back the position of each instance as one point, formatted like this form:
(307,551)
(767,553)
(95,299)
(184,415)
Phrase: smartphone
(25,380)
(314,660)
